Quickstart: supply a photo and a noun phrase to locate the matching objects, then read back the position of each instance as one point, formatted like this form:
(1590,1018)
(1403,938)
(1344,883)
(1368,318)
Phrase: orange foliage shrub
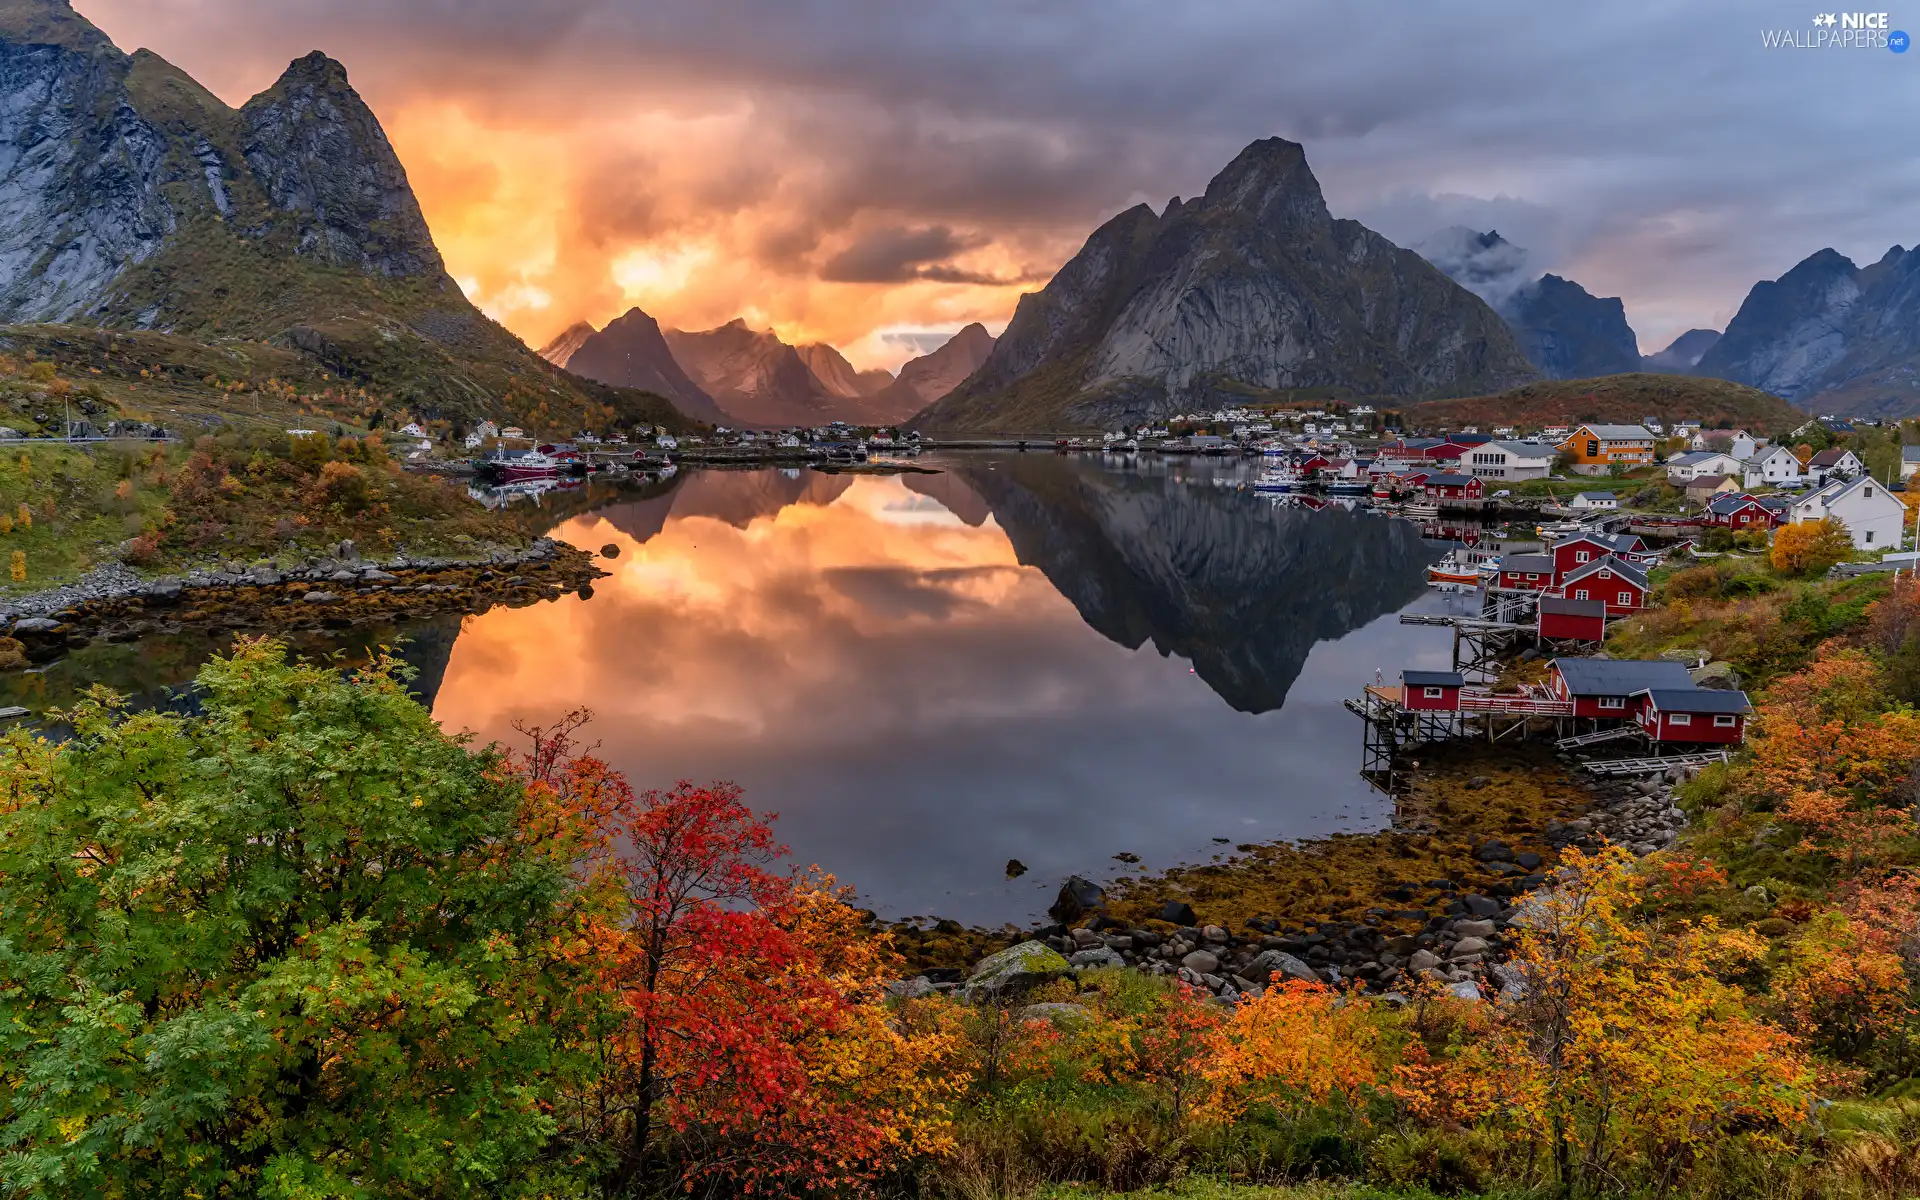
(1809,547)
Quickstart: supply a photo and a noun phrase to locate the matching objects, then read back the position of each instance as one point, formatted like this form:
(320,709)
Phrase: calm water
(1023,656)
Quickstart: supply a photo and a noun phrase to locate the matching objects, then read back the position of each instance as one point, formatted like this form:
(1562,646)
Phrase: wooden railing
(1520,703)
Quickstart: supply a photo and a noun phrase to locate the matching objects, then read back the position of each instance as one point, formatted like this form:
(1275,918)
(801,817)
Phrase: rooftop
(1621,677)
(1432,679)
(1562,606)
(1698,700)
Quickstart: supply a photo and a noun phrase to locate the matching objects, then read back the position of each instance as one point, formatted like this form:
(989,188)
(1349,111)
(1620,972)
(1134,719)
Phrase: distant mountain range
(134,199)
(736,375)
(1828,335)
(1251,291)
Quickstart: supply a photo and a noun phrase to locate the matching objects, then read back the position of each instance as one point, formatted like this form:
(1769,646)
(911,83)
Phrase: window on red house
(1680,719)
(1625,598)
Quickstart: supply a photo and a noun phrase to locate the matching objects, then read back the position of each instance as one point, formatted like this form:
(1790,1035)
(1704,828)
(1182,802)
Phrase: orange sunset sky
(874,173)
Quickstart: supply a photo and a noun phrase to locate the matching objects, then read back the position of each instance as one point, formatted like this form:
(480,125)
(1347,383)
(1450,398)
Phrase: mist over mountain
(1251,290)
(1565,331)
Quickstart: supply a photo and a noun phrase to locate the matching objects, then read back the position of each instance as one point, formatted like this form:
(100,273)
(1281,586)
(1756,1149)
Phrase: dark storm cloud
(1656,150)
(894,254)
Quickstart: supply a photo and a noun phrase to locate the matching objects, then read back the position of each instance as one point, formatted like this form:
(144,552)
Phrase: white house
(1909,461)
(1872,514)
(1739,443)
(1696,463)
(1508,460)
(474,441)
(1770,466)
(667,441)
(412,429)
(1596,500)
(1835,461)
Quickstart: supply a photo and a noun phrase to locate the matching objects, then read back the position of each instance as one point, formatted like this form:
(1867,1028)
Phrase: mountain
(1614,400)
(1683,353)
(1830,336)
(1565,331)
(1251,291)
(753,375)
(926,379)
(1242,591)
(837,375)
(132,198)
(933,375)
(1569,333)
(632,352)
(561,348)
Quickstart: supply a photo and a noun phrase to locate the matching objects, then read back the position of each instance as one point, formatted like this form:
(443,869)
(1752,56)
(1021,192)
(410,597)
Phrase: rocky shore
(334,591)
(1461,942)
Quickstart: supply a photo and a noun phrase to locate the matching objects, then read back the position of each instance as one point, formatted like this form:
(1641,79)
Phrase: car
(1502,493)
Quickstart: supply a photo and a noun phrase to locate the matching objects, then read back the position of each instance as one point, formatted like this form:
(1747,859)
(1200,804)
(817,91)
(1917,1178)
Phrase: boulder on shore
(1077,898)
(1015,970)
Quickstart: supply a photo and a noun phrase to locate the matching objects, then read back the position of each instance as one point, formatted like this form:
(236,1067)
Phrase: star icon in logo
(1825,19)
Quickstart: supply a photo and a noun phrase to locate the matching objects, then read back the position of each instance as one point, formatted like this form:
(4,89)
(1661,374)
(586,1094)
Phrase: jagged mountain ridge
(1830,336)
(837,375)
(1565,331)
(1242,591)
(564,343)
(1251,290)
(132,197)
(632,352)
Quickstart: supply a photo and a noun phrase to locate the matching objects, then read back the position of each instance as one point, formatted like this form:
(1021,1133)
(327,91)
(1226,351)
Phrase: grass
(1210,1188)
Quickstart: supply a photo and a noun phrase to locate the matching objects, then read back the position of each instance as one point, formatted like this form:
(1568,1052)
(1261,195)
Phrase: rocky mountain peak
(51,23)
(567,341)
(1270,183)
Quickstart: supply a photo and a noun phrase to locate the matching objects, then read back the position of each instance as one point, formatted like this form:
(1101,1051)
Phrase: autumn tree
(1810,547)
(288,947)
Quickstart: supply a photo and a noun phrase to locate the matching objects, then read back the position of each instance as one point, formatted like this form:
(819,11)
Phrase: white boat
(1277,479)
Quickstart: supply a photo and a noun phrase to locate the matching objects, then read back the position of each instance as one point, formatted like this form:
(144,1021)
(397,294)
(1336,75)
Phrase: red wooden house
(1529,572)
(1431,691)
(1621,586)
(1447,486)
(1605,687)
(1315,463)
(1692,714)
(1738,511)
(1564,619)
(1572,553)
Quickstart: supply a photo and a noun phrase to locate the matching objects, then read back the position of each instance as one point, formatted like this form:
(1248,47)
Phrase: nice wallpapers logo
(1840,31)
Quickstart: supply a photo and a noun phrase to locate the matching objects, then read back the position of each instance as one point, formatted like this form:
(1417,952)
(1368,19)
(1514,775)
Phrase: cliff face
(753,375)
(132,197)
(1830,336)
(1250,290)
(1683,353)
(1569,333)
(1240,589)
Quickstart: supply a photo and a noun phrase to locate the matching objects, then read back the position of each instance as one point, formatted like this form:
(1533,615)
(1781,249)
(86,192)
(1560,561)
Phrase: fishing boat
(1454,570)
(1348,487)
(512,465)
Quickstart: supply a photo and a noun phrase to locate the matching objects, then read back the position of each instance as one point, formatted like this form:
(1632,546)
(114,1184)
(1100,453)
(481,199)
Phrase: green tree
(292,947)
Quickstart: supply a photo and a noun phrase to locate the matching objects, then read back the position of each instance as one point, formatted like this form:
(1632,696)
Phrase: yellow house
(1594,448)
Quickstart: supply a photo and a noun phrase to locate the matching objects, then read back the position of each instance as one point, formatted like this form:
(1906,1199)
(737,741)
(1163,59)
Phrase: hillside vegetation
(1614,399)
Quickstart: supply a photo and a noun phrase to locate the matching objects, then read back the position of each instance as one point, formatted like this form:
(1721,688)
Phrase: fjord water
(1024,656)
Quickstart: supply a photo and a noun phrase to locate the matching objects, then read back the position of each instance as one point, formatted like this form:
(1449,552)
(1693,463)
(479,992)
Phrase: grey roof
(1525,449)
(1731,502)
(1618,566)
(1616,543)
(1445,479)
(1621,677)
(1697,700)
(1562,606)
(1910,454)
(1694,456)
(1433,679)
(1539,564)
(1618,432)
(1830,456)
(1707,481)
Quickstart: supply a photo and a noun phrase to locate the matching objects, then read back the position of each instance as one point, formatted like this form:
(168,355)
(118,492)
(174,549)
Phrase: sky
(876,173)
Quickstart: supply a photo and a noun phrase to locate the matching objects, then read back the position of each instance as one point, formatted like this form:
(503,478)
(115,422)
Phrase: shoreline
(336,591)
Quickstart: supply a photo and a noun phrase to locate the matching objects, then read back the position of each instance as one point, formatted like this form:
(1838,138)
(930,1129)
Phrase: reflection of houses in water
(534,491)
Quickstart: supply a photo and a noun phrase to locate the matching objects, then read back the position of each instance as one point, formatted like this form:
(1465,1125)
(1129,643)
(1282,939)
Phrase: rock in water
(1077,898)
(1015,868)
(1178,912)
(1252,287)
(1015,970)
(609,551)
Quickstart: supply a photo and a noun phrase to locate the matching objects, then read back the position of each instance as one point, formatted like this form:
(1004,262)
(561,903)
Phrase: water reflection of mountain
(736,497)
(1239,588)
